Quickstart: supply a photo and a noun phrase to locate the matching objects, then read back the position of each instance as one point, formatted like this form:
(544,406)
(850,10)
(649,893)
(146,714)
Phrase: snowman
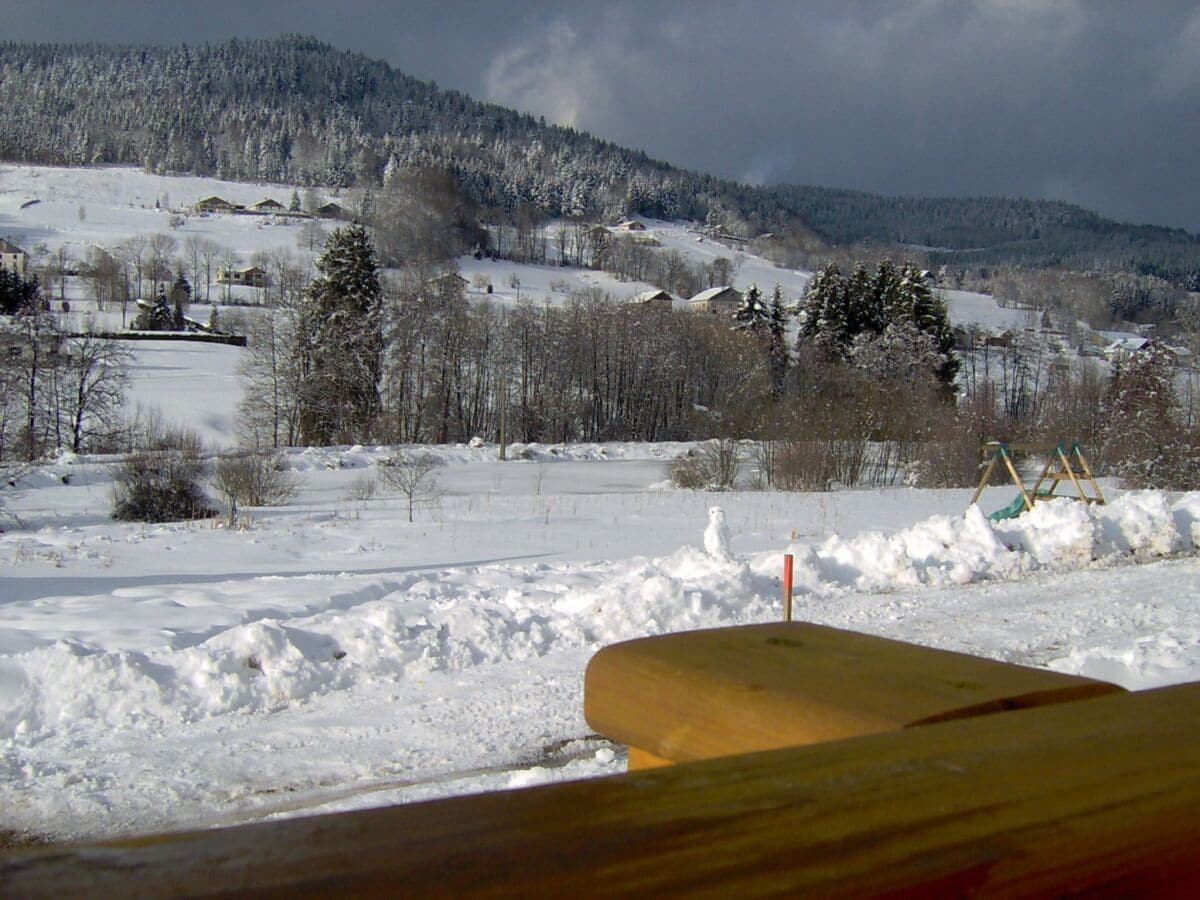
(716,535)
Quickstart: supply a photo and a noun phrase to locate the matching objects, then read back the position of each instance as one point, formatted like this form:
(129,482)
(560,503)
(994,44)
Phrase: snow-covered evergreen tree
(846,316)
(180,297)
(158,317)
(752,315)
(341,341)
(824,311)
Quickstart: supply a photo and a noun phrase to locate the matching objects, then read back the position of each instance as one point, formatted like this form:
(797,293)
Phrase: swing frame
(1058,469)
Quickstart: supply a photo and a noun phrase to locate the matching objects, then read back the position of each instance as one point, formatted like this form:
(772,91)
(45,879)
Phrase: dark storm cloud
(1093,102)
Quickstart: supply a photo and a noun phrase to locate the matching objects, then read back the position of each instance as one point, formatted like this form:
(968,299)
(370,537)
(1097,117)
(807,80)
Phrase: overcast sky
(1089,101)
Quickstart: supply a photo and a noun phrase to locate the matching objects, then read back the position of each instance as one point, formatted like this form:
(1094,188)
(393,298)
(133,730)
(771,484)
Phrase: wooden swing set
(1058,469)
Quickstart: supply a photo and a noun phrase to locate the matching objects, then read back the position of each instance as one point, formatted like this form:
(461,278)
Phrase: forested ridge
(296,110)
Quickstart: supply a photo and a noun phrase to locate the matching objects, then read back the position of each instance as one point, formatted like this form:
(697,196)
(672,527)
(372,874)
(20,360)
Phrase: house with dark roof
(215,205)
(253,276)
(13,258)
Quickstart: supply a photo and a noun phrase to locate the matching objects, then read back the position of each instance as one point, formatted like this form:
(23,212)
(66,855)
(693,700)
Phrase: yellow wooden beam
(703,694)
(1096,797)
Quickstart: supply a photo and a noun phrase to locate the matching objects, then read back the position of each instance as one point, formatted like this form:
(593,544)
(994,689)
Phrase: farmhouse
(656,299)
(13,258)
(268,206)
(630,225)
(722,301)
(250,277)
(1122,347)
(449,281)
(215,205)
(330,211)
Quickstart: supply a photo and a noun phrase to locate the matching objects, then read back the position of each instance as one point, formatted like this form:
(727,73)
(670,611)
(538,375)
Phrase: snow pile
(449,621)
(444,622)
(948,550)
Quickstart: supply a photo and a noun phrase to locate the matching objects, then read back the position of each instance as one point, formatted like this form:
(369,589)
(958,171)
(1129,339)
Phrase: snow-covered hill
(79,208)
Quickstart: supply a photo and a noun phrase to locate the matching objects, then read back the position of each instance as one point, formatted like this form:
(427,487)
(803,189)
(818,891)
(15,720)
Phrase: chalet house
(331,211)
(215,205)
(449,281)
(630,225)
(656,299)
(1122,346)
(268,206)
(250,277)
(13,258)
(717,301)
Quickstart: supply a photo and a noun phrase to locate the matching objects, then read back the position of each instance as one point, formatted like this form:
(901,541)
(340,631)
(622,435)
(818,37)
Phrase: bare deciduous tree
(161,263)
(414,475)
(90,383)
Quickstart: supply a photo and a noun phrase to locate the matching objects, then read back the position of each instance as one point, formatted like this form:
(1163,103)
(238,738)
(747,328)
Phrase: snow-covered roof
(6,247)
(711,293)
(1128,344)
(647,296)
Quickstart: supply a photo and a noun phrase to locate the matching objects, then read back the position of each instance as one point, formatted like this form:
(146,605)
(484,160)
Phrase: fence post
(788,561)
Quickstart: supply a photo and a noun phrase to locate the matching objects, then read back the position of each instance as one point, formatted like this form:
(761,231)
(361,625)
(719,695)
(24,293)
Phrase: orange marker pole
(788,560)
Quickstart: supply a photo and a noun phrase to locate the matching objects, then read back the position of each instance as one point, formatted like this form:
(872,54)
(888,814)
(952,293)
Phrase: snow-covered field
(331,655)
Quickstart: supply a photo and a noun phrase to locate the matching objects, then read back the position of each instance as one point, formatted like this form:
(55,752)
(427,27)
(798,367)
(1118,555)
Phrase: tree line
(356,357)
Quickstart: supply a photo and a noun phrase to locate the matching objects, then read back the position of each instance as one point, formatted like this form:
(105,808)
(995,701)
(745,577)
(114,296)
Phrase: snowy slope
(117,202)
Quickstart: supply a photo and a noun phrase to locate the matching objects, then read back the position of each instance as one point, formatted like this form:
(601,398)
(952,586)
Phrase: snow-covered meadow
(330,655)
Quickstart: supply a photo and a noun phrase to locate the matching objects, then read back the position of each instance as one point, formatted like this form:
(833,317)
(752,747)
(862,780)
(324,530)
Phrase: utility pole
(503,415)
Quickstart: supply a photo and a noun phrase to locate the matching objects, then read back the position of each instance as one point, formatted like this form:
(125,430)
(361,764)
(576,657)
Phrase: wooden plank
(702,694)
(1017,480)
(640,759)
(1098,796)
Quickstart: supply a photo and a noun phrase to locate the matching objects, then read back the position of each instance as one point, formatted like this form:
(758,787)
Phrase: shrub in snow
(253,479)
(816,465)
(686,473)
(162,484)
(364,487)
(715,466)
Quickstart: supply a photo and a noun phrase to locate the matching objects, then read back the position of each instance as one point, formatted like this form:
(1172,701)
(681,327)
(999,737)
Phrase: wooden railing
(1098,794)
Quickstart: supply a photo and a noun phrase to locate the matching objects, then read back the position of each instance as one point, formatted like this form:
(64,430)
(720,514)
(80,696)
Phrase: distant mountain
(991,230)
(296,110)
